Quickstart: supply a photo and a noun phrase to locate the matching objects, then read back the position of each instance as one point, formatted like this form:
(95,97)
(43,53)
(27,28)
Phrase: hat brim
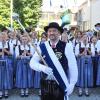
(97,24)
(59,28)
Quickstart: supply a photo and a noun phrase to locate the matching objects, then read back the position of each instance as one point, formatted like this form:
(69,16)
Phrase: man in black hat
(62,68)
(97,30)
(97,25)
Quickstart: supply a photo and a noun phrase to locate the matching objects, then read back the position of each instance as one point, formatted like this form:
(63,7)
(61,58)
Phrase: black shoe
(26,94)
(6,95)
(22,94)
(0,96)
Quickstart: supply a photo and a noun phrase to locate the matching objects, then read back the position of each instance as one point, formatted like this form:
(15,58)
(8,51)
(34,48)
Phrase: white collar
(54,43)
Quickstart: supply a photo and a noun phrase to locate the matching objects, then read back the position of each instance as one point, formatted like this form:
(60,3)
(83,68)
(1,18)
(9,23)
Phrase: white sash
(57,64)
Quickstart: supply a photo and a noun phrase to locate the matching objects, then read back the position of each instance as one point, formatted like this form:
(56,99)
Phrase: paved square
(14,95)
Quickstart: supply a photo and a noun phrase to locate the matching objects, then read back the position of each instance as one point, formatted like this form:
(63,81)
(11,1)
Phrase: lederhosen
(6,71)
(24,74)
(50,90)
(85,69)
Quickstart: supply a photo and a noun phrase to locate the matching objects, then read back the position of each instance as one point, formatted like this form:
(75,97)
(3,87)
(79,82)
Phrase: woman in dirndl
(84,51)
(77,39)
(98,69)
(13,42)
(6,68)
(24,74)
(95,58)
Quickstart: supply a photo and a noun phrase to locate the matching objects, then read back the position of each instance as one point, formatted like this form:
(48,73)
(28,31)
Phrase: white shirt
(73,72)
(83,46)
(75,42)
(98,46)
(31,48)
(35,41)
(12,43)
(5,45)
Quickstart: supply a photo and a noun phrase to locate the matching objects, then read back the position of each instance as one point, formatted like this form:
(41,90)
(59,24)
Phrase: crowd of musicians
(17,49)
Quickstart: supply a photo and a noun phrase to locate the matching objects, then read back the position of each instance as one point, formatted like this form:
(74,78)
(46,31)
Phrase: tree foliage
(4,13)
(28,10)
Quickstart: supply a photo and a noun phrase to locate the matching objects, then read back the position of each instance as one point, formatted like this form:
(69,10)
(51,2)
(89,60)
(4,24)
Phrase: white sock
(26,91)
(6,91)
(22,90)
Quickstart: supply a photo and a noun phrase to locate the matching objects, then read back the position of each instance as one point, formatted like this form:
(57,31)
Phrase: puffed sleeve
(77,50)
(17,51)
(35,64)
(32,50)
(72,64)
(98,46)
(92,50)
(11,48)
(18,42)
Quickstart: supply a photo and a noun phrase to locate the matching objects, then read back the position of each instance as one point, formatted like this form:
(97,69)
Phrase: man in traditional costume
(62,68)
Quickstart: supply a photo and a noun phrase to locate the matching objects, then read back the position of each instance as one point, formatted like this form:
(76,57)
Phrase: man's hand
(48,71)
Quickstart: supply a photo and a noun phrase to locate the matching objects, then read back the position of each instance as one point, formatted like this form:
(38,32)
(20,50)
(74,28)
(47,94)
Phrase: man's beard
(53,38)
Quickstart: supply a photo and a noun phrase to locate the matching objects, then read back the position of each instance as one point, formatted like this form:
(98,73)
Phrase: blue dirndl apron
(24,74)
(6,73)
(85,72)
(95,66)
(98,72)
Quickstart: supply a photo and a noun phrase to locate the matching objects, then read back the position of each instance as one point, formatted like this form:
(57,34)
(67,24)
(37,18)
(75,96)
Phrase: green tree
(4,13)
(28,10)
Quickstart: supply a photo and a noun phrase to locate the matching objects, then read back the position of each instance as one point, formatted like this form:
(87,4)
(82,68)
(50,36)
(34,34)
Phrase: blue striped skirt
(24,74)
(98,73)
(95,66)
(37,77)
(85,72)
(6,73)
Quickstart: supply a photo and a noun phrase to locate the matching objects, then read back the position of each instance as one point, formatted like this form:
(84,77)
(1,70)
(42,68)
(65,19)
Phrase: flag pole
(11,19)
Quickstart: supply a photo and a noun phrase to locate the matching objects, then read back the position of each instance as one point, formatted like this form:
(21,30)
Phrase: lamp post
(15,16)
(11,19)
(90,10)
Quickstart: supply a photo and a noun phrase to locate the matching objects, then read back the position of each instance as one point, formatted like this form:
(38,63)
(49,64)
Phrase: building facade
(88,14)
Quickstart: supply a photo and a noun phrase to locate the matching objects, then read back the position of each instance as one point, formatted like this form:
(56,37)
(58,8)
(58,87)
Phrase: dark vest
(81,49)
(60,53)
(21,51)
(5,54)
